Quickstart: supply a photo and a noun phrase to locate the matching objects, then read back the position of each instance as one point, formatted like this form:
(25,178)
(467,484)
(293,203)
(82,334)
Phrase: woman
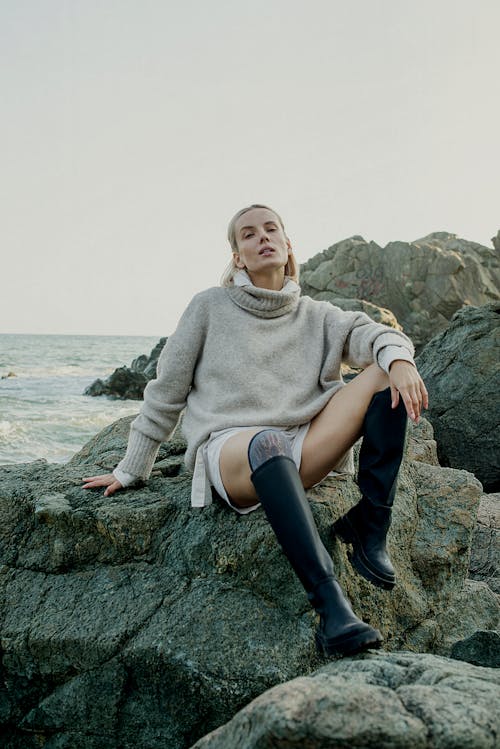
(257,369)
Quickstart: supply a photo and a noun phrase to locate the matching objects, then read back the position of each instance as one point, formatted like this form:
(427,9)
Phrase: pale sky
(132,130)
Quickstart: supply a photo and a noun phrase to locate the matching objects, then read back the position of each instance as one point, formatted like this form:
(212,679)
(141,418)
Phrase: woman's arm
(367,342)
(164,399)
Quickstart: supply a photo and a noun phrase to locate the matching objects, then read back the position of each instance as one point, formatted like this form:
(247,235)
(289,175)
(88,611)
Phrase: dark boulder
(461,369)
(129,382)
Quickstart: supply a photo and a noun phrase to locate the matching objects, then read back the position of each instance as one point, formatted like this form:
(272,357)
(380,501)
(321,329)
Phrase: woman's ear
(238,261)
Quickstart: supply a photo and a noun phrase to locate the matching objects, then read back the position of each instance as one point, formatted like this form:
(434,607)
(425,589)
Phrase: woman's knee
(267,444)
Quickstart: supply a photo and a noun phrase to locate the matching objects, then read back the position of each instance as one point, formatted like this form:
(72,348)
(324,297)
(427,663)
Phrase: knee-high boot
(366,524)
(282,495)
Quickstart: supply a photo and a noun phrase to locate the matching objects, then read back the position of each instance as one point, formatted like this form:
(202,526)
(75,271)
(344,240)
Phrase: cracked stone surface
(135,621)
(485,551)
(423,283)
(374,701)
(461,369)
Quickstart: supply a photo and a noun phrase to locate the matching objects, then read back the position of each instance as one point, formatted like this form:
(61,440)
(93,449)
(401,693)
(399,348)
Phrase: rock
(129,382)
(137,621)
(485,551)
(378,314)
(461,369)
(496,241)
(394,700)
(482,649)
(122,383)
(9,374)
(423,282)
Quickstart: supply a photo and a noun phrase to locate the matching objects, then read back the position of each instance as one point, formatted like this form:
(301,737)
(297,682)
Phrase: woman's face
(262,243)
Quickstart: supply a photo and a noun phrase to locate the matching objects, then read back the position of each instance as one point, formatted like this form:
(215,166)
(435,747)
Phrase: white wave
(5,428)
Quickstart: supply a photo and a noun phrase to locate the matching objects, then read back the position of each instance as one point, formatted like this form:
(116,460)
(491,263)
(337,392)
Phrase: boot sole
(344,530)
(350,644)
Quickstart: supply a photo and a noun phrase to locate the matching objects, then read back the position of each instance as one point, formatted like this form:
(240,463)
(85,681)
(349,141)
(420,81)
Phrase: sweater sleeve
(364,339)
(165,396)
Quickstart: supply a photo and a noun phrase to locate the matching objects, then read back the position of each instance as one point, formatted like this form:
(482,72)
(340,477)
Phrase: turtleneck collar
(263,302)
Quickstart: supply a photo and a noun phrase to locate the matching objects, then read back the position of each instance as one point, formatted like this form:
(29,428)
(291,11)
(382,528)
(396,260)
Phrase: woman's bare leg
(337,427)
(332,432)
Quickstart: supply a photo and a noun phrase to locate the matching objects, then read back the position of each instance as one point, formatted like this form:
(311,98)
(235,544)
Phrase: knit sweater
(245,356)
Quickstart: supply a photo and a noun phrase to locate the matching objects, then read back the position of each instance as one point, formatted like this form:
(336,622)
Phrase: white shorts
(216,441)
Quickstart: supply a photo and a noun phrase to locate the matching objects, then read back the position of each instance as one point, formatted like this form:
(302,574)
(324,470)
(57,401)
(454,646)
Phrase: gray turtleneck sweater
(244,356)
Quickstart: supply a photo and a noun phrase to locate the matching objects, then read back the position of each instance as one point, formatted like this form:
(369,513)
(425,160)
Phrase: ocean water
(43,412)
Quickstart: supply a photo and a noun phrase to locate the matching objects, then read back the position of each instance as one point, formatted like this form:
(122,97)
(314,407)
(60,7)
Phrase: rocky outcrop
(461,369)
(423,282)
(392,700)
(136,621)
(129,382)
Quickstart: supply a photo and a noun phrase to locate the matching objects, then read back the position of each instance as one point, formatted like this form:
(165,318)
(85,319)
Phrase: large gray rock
(129,382)
(134,621)
(423,282)
(375,701)
(461,369)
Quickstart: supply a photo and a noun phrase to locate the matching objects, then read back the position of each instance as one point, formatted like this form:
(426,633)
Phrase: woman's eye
(250,234)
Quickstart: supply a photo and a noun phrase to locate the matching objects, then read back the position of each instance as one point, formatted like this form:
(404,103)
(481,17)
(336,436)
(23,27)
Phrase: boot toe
(371,563)
(378,575)
(351,640)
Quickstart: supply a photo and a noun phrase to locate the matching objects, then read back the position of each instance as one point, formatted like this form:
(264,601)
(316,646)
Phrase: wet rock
(129,382)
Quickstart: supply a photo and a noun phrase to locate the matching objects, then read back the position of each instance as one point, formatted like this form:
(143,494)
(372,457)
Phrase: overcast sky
(132,130)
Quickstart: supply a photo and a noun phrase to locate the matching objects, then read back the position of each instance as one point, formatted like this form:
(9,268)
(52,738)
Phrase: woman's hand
(406,381)
(107,479)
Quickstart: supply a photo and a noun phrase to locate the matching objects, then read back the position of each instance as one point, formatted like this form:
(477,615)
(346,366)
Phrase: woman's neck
(272,280)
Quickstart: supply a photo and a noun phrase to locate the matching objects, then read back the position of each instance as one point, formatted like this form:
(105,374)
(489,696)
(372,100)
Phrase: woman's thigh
(331,433)
(337,427)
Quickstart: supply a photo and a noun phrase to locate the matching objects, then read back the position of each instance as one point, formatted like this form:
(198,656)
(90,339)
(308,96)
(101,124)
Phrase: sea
(43,411)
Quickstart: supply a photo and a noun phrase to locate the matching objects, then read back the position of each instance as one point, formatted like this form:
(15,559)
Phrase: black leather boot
(366,524)
(282,495)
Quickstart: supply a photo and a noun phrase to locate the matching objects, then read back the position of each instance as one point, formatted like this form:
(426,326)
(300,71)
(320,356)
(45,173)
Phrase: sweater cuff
(140,456)
(125,479)
(388,354)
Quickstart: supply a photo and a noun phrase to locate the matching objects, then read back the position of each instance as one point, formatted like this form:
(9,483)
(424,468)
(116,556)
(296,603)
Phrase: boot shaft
(382,449)
(279,488)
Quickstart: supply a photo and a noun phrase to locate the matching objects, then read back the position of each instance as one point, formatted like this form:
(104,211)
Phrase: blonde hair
(291,268)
